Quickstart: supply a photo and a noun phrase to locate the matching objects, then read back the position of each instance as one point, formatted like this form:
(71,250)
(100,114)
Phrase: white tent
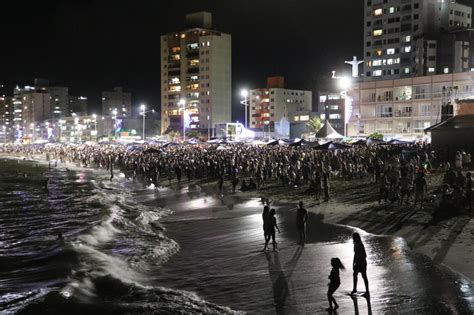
(328,132)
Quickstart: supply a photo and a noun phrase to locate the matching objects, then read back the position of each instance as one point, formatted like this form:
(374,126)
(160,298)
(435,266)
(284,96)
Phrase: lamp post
(94,116)
(183,103)
(344,84)
(115,122)
(245,102)
(208,127)
(143,113)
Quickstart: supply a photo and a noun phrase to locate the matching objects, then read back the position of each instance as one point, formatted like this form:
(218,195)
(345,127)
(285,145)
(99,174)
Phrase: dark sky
(92,45)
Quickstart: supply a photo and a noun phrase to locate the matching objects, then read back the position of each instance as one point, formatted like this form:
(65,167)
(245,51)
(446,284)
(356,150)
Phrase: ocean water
(111,245)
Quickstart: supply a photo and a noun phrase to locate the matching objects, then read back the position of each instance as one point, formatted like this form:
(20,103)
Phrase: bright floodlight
(344,83)
(142,107)
(244,93)
(182,102)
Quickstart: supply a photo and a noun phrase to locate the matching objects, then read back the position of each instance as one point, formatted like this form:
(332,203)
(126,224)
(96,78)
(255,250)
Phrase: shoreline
(447,242)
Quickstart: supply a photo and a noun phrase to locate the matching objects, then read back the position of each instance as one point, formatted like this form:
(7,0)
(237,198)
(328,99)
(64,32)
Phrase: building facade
(196,70)
(332,109)
(270,105)
(6,118)
(117,100)
(403,108)
(404,39)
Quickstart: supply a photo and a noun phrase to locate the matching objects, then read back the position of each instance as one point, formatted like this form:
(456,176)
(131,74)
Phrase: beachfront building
(275,105)
(77,129)
(195,76)
(332,109)
(6,118)
(403,108)
(117,102)
(416,38)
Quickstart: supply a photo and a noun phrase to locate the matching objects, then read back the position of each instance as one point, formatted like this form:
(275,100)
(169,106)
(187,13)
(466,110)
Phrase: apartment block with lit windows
(270,105)
(415,38)
(405,107)
(195,76)
(6,117)
(332,109)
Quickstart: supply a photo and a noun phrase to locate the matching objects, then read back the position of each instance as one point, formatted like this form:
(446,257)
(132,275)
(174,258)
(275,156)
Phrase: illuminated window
(389,61)
(194,62)
(377,73)
(406,70)
(407,49)
(378,12)
(176,49)
(297,118)
(304,117)
(446,70)
(377,62)
(431,69)
(390,51)
(175,88)
(378,53)
(407,38)
(378,32)
(392,10)
(175,81)
(396,60)
(176,57)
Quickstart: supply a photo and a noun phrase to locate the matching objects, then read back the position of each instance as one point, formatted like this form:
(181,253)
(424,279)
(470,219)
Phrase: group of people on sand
(359,263)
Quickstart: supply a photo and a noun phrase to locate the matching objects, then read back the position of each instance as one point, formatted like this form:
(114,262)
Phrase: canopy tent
(399,142)
(359,142)
(332,146)
(328,132)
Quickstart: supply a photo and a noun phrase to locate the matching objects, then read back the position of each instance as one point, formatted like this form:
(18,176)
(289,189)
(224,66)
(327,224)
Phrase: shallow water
(111,245)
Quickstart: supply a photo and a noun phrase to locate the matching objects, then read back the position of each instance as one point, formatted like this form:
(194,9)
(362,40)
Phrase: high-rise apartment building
(405,38)
(117,100)
(332,109)
(6,117)
(272,104)
(195,76)
(59,97)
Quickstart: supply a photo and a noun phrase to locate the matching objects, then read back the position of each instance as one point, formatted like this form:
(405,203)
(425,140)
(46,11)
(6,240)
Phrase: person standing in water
(360,263)
(301,218)
(335,282)
(270,225)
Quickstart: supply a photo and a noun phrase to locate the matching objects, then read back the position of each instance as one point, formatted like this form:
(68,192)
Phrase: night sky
(94,45)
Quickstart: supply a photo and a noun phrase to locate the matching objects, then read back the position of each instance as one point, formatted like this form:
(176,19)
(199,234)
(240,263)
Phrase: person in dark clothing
(326,186)
(420,188)
(265,214)
(334,283)
(220,184)
(360,263)
(301,218)
(270,226)
(383,188)
(235,181)
(469,190)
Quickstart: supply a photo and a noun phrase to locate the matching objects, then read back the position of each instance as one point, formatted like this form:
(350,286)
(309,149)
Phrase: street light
(115,122)
(245,102)
(344,84)
(95,125)
(143,113)
(182,102)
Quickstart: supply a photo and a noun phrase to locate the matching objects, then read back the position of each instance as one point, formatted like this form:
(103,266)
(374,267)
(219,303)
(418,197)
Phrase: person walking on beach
(335,282)
(301,218)
(220,184)
(360,263)
(265,214)
(383,188)
(270,226)
(420,189)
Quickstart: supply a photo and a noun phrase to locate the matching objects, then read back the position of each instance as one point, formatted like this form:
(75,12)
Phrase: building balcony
(384,115)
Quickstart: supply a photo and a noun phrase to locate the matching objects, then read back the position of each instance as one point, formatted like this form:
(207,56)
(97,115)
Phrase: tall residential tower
(195,76)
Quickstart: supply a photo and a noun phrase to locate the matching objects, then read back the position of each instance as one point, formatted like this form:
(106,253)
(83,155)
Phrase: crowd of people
(398,170)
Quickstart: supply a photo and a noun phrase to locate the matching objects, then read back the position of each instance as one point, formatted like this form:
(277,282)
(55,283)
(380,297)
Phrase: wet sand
(221,260)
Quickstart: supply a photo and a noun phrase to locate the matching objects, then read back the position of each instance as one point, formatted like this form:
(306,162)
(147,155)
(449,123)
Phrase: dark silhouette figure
(60,236)
(334,283)
(220,184)
(265,214)
(356,305)
(270,226)
(301,218)
(420,189)
(469,191)
(360,263)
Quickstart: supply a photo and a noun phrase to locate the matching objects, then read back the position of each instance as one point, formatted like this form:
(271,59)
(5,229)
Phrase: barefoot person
(301,218)
(270,225)
(335,283)
(360,263)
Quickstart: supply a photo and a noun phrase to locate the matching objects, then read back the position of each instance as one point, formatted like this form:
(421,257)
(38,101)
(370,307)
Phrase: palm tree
(314,124)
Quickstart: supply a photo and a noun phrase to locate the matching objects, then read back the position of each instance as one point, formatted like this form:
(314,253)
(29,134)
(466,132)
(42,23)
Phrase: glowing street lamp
(143,113)
(245,93)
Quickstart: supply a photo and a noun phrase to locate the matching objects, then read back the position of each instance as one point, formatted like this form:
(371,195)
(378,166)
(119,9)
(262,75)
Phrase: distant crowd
(398,170)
